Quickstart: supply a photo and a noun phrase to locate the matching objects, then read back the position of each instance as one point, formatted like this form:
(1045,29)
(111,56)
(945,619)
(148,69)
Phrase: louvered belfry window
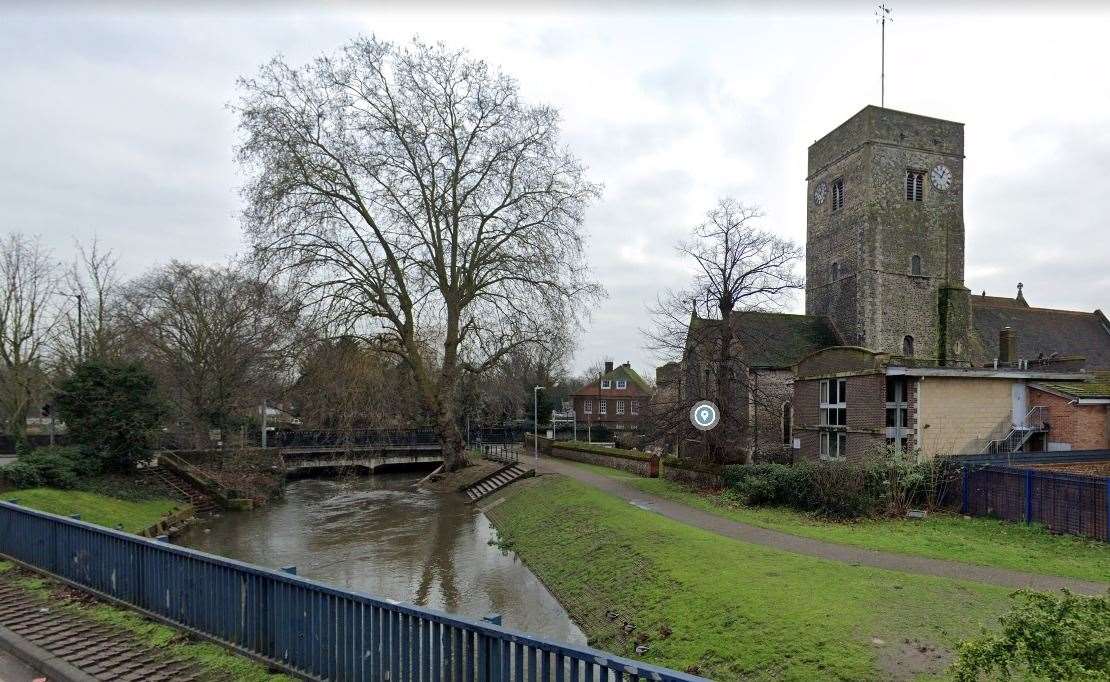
(838,194)
(915,185)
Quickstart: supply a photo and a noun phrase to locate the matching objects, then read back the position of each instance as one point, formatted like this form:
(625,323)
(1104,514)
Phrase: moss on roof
(772,339)
(1081,389)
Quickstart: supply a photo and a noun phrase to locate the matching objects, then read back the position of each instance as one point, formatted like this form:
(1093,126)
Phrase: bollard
(291,570)
(493,618)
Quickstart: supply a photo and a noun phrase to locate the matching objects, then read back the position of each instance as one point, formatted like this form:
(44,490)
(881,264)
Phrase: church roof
(773,339)
(1039,332)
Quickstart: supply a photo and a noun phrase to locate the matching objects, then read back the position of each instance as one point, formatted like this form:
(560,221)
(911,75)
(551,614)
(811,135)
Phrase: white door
(1020,396)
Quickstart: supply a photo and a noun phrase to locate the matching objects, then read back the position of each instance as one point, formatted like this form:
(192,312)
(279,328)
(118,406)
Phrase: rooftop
(773,340)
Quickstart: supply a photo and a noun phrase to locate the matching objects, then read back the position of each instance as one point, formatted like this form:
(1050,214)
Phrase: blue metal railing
(306,627)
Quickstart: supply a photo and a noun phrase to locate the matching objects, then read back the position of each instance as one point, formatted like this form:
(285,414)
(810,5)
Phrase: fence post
(964,507)
(1028,496)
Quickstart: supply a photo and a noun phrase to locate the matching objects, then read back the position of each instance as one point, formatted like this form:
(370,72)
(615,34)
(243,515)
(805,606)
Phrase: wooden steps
(504,476)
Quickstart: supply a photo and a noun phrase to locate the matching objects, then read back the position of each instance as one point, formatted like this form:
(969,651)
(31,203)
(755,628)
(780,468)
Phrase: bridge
(370,458)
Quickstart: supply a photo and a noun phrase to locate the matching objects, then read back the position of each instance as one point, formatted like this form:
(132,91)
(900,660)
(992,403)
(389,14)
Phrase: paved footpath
(14,670)
(825,550)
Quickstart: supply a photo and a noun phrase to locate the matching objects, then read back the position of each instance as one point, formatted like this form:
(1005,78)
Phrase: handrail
(303,626)
(1023,430)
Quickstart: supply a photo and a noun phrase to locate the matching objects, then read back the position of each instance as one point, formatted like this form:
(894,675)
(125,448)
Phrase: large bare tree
(737,267)
(28,283)
(91,289)
(412,194)
(218,340)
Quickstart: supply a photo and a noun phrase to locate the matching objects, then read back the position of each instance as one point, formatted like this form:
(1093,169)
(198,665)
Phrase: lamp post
(536,421)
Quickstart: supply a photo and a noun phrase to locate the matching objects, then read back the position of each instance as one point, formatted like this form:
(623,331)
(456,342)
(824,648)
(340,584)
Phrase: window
(838,194)
(635,407)
(588,406)
(834,271)
(620,407)
(787,423)
(915,265)
(915,185)
(833,444)
(834,402)
(622,384)
(907,346)
(606,384)
(602,407)
(897,414)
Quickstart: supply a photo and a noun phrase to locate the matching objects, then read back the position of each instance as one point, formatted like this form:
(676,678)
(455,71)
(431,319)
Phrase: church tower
(885,234)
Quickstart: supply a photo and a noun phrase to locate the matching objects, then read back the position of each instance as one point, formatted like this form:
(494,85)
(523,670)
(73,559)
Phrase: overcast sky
(113,123)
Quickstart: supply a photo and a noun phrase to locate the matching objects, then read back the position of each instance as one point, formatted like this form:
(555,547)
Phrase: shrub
(1051,637)
(51,467)
(881,485)
(111,408)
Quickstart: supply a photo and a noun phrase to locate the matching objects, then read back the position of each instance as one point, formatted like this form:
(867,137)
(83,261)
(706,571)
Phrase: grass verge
(96,508)
(726,609)
(977,540)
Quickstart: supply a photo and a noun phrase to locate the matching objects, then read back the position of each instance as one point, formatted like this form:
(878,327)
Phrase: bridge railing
(309,628)
(356,437)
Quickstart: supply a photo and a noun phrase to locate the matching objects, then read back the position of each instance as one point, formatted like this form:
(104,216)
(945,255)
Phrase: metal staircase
(1016,436)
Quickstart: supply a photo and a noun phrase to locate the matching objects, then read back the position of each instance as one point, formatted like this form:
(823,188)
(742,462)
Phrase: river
(380,535)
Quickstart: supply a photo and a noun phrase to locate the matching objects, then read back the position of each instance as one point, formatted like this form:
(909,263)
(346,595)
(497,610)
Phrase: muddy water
(379,535)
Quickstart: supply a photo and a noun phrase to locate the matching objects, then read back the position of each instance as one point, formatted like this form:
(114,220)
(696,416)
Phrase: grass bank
(726,609)
(983,541)
(135,515)
(217,662)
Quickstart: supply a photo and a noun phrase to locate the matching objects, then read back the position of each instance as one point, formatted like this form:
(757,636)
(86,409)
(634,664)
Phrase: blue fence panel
(310,628)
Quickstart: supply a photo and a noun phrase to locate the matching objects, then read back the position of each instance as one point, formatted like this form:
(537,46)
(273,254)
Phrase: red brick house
(617,399)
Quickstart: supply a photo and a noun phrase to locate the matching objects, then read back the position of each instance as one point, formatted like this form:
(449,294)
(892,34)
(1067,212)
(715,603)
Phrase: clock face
(941,176)
(820,192)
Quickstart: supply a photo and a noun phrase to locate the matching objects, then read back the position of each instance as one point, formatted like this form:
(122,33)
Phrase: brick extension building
(617,399)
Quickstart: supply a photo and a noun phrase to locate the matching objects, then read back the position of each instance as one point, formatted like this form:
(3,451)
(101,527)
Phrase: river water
(380,535)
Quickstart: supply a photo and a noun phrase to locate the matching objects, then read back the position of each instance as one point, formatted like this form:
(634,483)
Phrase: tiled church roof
(772,339)
(1039,332)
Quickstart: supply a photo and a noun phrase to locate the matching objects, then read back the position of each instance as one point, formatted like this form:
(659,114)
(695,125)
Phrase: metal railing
(303,626)
(1016,437)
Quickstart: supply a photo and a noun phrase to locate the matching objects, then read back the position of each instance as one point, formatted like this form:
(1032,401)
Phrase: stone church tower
(885,234)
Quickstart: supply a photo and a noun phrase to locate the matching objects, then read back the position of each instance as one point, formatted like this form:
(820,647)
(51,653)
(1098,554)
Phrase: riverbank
(134,515)
(728,609)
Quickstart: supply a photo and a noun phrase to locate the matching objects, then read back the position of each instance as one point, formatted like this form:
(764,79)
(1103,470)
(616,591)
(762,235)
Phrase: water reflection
(379,535)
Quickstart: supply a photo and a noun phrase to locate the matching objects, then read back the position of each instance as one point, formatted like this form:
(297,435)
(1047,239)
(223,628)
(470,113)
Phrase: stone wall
(647,467)
(695,477)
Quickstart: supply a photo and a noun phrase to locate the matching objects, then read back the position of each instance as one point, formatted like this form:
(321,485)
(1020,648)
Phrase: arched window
(834,271)
(787,423)
(915,265)
(907,345)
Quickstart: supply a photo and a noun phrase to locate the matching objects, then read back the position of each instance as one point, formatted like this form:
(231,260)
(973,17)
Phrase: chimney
(608,366)
(1005,345)
(627,365)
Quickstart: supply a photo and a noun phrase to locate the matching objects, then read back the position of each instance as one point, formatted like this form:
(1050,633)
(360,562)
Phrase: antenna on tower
(883,15)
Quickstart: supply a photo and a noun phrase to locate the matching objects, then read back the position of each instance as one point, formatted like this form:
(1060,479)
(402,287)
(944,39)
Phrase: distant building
(618,399)
(894,350)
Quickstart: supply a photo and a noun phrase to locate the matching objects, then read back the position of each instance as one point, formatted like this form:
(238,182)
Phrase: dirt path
(818,548)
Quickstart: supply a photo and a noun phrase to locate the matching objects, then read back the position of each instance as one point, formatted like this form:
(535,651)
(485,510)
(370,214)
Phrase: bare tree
(91,289)
(218,340)
(409,192)
(28,281)
(738,267)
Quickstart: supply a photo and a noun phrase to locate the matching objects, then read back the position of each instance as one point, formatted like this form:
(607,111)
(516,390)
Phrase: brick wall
(1082,427)
(645,468)
(866,404)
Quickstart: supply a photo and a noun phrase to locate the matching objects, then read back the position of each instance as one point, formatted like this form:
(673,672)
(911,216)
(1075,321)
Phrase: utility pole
(883,14)
(536,421)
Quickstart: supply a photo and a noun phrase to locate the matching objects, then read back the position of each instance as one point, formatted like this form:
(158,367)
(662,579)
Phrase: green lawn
(95,508)
(730,610)
(984,541)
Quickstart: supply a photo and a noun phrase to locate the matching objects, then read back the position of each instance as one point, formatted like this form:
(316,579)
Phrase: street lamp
(536,421)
